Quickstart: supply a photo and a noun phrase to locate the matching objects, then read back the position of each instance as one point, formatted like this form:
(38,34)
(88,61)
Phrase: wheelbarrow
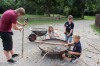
(37,32)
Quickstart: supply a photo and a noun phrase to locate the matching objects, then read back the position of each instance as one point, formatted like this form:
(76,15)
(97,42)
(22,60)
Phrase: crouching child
(76,52)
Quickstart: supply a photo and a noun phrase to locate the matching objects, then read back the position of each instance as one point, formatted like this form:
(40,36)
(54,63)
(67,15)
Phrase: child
(76,53)
(53,34)
(69,26)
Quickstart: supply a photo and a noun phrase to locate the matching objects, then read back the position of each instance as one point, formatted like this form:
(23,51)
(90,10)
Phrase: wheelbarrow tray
(39,31)
(54,51)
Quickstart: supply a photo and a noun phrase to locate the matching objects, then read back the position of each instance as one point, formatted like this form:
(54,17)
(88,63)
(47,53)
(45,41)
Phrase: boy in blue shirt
(69,26)
(76,52)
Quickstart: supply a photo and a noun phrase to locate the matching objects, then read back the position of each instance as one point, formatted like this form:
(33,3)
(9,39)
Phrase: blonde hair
(76,36)
(49,28)
(70,17)
(21,10)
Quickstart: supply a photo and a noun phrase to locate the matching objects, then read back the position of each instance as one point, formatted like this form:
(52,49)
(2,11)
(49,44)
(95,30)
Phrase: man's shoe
(11,61)
(15,55)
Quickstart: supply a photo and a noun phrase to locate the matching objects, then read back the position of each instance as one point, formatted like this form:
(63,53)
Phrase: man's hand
(25,23)
(20,28)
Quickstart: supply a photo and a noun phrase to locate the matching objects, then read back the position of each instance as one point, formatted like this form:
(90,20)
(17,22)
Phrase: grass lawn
(40,19)
(96,28)
(89,17)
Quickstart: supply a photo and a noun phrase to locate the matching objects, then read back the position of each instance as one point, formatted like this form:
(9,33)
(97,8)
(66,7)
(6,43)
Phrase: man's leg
(7,45)
(13,55)
(12,52)
(7,54)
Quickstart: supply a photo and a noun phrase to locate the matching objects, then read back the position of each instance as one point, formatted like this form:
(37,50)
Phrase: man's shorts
(7,40)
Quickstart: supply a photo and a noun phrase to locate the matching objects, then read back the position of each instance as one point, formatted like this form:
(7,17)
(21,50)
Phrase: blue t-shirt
(77,47)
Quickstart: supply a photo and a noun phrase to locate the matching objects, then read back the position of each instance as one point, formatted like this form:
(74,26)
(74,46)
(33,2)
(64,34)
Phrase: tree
(98,6)
(63,7)
(76,7)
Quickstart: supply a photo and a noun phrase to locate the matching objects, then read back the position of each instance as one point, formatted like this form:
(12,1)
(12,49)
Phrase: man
(7,22)
(69,26)
(76,53)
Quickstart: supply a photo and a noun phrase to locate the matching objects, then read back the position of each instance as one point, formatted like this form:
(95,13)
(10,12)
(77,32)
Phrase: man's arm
(18,23)
(15,27)
(25,23)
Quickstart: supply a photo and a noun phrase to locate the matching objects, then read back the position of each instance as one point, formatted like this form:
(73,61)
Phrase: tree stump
(97,20)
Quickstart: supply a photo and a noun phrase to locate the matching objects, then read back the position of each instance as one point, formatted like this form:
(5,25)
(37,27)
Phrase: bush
(89,13)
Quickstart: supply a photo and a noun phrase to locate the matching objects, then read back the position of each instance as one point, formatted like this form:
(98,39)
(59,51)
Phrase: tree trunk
(48,7)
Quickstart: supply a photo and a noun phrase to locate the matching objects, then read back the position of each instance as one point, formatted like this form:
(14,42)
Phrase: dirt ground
(90,45)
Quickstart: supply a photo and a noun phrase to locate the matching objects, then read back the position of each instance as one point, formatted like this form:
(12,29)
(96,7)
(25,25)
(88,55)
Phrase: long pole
(22,42)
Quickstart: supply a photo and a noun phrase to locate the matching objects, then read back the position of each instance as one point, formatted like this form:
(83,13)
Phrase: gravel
(32,54)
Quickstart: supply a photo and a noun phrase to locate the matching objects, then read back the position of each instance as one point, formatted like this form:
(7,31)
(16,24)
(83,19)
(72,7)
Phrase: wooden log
(97,20)
(51,43)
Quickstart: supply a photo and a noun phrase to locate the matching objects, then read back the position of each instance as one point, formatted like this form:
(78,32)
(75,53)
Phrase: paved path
(90,42)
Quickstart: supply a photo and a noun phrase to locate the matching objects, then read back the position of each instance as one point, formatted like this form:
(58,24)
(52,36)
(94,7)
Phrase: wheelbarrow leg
(43,53)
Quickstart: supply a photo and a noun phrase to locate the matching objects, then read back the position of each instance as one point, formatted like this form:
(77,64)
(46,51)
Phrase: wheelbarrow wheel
(32,37)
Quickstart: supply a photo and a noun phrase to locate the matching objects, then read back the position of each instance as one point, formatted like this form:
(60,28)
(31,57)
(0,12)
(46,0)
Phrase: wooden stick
(51,43)
(22,42)
(42,57)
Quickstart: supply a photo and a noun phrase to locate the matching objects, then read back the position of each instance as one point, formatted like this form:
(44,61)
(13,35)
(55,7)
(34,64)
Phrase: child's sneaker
(74,60)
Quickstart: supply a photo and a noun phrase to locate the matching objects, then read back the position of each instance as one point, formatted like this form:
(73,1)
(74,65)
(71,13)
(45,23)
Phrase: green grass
(40,19)
(89,17)
(95,28)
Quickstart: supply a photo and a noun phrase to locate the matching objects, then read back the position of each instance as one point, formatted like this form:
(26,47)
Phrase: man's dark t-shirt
(7,19)
(77,47)
(69,27)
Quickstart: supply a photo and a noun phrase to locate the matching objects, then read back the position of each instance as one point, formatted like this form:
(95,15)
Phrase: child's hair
(70,17)
(76,36)
(49,28)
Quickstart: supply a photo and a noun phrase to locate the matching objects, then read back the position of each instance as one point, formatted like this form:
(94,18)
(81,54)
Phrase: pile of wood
(97,20)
